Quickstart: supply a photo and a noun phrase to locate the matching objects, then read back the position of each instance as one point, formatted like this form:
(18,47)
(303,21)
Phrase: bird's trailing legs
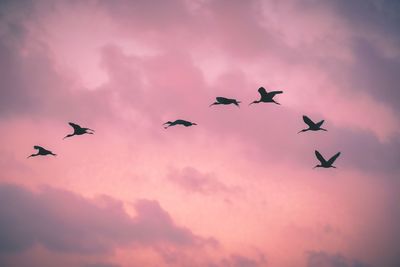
(169,124)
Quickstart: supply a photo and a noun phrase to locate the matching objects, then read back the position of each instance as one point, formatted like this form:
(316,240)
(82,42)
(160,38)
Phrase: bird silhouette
(225,101)
(78,130)
(179,122)
(312,126)
(324,163)
(41,152)
(266,97)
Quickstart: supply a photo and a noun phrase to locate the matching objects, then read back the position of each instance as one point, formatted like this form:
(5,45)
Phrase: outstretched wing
(332,160)
(320,157)
(221,99)
(75,126)
(262,92)
(308,121)
(319,124)
(38,147)
(273,93)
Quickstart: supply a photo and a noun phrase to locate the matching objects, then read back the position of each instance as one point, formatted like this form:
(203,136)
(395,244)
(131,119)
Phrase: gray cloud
(100,265)
(237,260)
(66,222)
(323,259)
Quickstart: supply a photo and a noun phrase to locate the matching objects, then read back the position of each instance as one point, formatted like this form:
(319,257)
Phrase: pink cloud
(124,68)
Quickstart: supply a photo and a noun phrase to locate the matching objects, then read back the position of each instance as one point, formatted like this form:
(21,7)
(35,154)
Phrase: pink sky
(238,189)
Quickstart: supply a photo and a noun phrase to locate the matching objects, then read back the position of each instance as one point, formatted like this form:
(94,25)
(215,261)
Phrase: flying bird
(78,130)
(312,126)
(324,163)
(179,122)
(41,152)
(266,97)
(225,101)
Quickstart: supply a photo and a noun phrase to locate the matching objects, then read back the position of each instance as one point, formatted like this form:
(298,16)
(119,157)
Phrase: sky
(236,190)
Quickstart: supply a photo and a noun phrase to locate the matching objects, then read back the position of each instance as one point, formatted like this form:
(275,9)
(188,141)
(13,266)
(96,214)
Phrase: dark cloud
(323,259)
(380,16)
(363,151)
(237,260)
(183,259)
(100,265)
(66,222)
(375,73)
(374,42)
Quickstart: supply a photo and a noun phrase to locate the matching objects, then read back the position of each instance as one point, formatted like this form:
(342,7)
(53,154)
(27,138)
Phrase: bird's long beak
(315,166)
(300,131)
(252,103)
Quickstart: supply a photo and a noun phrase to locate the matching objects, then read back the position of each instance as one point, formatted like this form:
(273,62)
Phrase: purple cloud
(63,221)
(323,259)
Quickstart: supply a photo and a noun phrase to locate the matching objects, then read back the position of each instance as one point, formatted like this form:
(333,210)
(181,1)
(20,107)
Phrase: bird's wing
(221,99)
(308,121)
(75,126)
(273,93)
(262,92)
(319,124)
(320,157)
(38,147)
(332,160)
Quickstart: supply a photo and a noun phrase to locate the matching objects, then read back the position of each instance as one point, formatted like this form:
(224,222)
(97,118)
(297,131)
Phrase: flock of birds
(265,97)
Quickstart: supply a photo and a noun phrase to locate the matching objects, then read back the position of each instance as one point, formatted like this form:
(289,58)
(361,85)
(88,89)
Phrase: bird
(179,122)
(41,152)
(225,101)
(324,163)
(78,130)
(266,97)
(312,126)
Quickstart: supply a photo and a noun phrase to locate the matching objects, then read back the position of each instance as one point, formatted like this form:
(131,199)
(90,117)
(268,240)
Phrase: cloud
(148,62)
(192,180)
(100,265)
(63,221)
(236,260)
(323,259)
